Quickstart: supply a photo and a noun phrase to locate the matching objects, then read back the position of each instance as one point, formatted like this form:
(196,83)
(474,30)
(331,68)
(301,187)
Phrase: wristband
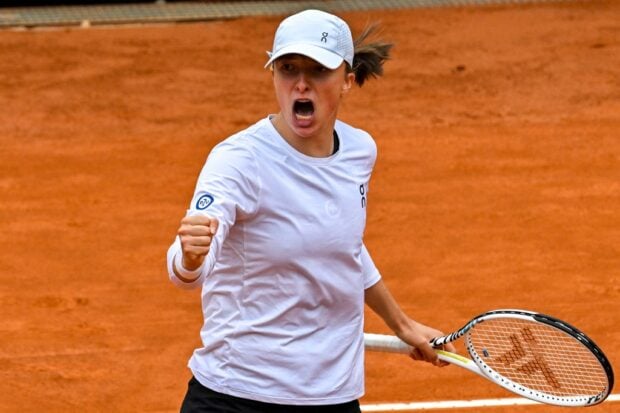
(186,275)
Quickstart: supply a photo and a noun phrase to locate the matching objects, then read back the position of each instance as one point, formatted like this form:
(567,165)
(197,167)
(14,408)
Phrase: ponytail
(368,58)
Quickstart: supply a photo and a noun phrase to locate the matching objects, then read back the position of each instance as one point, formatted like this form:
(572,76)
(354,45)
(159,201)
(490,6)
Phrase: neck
(318,145)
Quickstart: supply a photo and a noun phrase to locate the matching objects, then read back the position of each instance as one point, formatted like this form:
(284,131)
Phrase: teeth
(303,109)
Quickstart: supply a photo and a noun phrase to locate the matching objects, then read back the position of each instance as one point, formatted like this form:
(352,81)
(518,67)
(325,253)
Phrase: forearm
(381,301)
(417,335)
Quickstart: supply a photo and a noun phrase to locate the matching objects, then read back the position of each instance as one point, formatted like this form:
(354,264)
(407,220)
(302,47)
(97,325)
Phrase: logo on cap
(324,38)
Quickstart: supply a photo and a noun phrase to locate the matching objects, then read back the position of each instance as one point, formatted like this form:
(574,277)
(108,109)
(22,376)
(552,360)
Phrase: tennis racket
(533,355)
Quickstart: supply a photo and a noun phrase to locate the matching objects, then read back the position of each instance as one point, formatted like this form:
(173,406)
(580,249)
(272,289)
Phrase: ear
(348,82)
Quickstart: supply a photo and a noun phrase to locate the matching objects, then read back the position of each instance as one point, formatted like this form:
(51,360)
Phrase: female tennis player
(274,237)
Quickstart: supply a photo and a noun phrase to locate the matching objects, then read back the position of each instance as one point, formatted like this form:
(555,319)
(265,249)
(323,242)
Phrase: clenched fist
(196,233)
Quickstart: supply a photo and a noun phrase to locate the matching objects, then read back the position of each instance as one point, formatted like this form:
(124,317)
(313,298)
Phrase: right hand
(196,233)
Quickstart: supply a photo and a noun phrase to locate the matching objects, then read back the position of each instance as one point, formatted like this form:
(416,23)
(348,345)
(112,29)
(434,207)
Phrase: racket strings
(539,357)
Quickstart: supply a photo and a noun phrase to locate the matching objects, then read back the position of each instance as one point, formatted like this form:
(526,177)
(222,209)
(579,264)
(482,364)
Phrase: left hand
(418,336)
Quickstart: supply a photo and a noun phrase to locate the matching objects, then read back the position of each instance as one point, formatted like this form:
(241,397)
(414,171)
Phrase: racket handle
(385,343)
(393,344)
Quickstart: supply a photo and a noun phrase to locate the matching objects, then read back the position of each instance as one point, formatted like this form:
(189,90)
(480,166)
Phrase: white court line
(457,404)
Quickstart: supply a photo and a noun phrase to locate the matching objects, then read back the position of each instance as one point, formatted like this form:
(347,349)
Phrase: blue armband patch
(204,202)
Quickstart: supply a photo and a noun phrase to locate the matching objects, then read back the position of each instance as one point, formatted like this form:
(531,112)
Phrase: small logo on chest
(332,209)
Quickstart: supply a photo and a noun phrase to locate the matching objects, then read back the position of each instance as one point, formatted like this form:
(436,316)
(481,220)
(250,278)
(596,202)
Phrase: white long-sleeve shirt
(283,284)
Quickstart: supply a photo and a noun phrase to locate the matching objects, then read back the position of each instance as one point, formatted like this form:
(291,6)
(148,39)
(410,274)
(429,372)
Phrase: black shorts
(200,399)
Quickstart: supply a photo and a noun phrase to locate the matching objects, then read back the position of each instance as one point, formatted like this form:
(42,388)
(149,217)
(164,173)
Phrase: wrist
(402,324)
(183,273)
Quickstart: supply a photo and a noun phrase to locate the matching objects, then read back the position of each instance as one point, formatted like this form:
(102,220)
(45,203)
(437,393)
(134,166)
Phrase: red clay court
(497,185)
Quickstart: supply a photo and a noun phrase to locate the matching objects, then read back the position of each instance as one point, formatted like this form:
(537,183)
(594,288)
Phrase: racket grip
(385,343)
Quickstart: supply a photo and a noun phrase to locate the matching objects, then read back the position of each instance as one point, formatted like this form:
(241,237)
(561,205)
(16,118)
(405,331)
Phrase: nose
(302,84)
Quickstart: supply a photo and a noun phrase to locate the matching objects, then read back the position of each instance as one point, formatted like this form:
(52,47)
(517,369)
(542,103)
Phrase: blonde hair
(369,57)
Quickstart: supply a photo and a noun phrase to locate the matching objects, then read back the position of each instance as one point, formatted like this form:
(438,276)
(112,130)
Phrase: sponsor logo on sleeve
(204,202)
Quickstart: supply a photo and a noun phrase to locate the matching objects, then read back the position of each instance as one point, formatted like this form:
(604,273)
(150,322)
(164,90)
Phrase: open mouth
(303,109)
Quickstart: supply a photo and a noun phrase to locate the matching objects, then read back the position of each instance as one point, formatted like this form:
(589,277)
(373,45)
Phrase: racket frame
(479,366)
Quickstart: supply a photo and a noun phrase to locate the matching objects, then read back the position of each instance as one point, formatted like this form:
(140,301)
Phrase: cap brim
(323,56)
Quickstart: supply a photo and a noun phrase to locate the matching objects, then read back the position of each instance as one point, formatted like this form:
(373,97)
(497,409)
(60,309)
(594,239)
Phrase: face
(309,95)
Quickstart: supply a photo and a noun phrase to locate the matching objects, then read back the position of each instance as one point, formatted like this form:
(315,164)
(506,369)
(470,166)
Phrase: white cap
(318,35)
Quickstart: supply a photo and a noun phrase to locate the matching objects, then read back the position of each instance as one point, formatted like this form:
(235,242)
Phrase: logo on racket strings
(530,348)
